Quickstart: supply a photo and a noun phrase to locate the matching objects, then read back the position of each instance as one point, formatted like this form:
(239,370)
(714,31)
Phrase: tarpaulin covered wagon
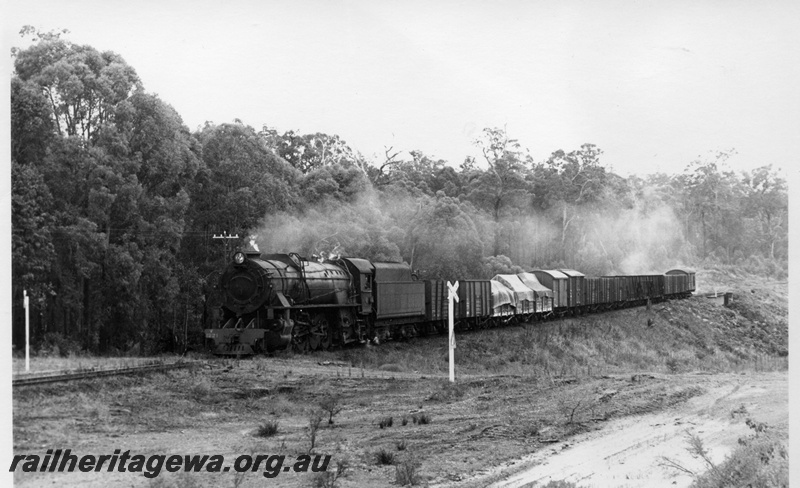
(524,297)
(503,303)
(544,295)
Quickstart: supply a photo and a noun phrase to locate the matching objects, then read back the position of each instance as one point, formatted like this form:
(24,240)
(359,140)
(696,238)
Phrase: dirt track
(628,452)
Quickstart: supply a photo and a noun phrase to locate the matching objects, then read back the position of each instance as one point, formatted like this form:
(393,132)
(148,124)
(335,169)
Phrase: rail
(28,379)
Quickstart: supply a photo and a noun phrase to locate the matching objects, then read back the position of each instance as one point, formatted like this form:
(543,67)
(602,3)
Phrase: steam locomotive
(281,301)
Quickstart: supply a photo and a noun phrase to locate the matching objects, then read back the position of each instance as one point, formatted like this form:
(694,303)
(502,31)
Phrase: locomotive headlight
(238,258)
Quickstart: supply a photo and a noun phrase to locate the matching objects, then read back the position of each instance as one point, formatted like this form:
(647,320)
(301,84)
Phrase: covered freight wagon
(502,300)
(574,287)
(680,281)
(544,295)
(524,298)
(556,281)
(593,291)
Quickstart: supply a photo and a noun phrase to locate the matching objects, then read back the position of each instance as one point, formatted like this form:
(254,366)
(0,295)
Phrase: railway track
(28,379)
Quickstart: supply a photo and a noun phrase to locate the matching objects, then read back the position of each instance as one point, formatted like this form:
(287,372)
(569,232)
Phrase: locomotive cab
(362,272)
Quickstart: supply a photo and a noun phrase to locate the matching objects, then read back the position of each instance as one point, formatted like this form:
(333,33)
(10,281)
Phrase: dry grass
(519,412)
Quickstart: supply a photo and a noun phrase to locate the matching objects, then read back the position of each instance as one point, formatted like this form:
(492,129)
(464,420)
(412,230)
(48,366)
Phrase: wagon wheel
(320,337)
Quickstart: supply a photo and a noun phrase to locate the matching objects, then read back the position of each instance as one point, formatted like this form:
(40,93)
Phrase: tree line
(115,205)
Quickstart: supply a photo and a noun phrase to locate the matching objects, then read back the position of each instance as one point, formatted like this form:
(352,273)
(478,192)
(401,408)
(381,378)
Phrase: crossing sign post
(26,304)
(452,294)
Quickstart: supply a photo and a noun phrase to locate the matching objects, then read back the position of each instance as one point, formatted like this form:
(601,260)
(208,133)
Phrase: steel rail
(27,379)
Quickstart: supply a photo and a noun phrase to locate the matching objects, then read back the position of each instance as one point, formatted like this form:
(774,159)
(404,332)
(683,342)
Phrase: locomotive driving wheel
(320,337)
(301,344)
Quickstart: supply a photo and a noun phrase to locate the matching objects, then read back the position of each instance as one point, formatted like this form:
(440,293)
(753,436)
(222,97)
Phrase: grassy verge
(672,337)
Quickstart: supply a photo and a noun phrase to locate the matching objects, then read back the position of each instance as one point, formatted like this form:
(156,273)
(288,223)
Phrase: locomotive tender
(277,301)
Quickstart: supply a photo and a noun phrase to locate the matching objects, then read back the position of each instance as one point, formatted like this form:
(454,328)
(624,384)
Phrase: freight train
(280,301)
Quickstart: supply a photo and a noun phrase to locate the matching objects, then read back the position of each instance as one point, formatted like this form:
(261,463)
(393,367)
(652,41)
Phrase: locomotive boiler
(272,301)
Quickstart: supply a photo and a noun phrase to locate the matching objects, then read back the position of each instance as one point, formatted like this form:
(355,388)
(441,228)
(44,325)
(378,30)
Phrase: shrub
(342,465)
(421,419)
(384,457)
(406,473)
(533,428)
(742,410)
(673,365)
(760,461)
(560,484)
(386,422)
(331,404)
(55,344)
(314,419)
(202,391)
(267,429)
(325,480)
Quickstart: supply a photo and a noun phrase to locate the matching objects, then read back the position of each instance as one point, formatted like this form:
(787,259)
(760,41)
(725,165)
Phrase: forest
(122,217)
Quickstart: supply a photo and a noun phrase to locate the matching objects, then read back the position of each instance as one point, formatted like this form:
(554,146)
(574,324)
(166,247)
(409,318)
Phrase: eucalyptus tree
(443,240)
(566,182)
(421,175)
(110,165)
(767,201)
(309,152)
(336,182)
(83,85)
(240,182)
(713,197)
(503,186)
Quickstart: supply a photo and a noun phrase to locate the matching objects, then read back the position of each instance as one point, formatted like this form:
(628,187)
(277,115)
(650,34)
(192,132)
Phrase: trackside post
(27,331)
(451,295)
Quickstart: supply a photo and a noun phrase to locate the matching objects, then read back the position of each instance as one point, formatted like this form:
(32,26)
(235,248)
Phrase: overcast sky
(654,84)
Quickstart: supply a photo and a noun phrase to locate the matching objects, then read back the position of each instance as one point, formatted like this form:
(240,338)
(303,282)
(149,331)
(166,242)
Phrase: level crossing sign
(452,294)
